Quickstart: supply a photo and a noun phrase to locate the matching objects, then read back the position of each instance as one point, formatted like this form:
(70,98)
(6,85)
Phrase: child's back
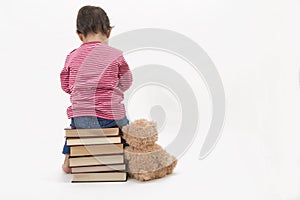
(96,75)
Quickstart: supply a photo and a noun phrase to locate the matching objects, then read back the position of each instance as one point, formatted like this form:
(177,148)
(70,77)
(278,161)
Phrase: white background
(255,46)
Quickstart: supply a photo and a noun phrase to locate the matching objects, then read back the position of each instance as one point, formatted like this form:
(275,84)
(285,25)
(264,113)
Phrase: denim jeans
(95,122)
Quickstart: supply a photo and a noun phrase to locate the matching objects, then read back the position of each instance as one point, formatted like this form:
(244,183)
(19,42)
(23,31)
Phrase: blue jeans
(95,122)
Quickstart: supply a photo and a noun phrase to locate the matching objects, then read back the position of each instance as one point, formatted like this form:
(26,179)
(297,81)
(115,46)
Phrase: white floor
(241,167)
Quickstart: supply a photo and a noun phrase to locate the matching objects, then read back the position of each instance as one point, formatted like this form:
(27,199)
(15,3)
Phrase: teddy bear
(145,159)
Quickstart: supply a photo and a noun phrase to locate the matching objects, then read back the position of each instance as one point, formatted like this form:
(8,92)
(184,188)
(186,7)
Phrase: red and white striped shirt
(96,76)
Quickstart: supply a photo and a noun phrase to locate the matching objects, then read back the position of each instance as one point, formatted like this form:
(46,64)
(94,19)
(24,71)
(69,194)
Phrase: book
(96,160)
(96,149)
(102,176)
(91,132)
(103,168)
(97,140)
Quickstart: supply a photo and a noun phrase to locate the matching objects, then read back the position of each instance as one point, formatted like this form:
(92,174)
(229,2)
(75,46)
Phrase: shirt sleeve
(64,77)
(125,75)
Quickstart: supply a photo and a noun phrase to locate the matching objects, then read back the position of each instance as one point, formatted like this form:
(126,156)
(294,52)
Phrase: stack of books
(96,155)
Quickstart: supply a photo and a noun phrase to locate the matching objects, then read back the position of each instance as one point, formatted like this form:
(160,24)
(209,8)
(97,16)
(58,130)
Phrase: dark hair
(91,19)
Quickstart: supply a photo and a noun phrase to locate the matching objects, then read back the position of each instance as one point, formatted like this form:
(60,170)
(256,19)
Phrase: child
(96,76)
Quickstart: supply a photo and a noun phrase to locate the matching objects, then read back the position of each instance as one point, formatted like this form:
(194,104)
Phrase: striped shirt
(96,77)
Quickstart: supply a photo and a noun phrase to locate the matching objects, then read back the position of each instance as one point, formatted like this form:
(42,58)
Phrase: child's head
(93,20)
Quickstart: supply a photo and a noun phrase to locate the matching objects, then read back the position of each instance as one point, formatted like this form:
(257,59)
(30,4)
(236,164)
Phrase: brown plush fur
(146,160)
(147,176)
(140,133)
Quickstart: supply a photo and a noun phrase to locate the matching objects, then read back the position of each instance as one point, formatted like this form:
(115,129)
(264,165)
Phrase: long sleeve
(64,77)
(125,75)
